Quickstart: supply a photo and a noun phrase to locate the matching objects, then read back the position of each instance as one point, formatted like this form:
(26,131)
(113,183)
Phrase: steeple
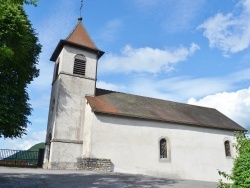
(75,75)
(78,38)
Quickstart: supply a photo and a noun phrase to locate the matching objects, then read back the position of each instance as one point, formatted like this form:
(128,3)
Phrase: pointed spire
(80,36)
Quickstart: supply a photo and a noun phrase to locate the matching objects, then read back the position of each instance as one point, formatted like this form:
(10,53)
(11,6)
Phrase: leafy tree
(241,171)
(33,2)
(19,52)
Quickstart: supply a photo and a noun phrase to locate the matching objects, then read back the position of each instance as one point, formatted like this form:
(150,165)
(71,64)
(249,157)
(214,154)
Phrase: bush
(241,171)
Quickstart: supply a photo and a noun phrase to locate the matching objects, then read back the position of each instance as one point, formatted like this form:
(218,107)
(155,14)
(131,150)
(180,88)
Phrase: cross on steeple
(80,18)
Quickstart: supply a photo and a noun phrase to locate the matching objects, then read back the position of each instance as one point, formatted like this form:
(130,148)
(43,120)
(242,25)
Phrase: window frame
(53,105)
(80,65)
(57,68)
(168,159)
(230,148)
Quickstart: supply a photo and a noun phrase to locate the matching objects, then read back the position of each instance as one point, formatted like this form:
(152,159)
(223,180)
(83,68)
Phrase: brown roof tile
(135,106)
(80,36)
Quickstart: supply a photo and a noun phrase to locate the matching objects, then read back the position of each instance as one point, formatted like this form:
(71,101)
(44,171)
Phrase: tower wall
(67,109)
(67,57)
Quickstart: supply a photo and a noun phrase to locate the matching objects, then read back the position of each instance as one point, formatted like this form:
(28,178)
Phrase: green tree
(19,53)
(32,2)
(241,171)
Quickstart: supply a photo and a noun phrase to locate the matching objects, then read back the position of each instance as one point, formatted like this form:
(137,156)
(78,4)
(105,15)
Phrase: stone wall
(94,164)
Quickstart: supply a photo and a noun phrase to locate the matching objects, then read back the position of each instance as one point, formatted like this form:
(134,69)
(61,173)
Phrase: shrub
(241,171)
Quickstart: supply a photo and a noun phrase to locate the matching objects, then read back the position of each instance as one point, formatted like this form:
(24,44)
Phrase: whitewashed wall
(67,61)
(66,121)
(64,155)
(133,147)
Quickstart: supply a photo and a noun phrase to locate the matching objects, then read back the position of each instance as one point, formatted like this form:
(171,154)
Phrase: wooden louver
(79,65)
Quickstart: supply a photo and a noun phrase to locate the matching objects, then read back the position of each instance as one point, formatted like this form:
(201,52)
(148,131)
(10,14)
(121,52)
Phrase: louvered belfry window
(80,65)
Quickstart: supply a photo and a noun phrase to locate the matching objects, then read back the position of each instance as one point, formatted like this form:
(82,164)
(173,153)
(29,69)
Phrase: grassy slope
(37,146)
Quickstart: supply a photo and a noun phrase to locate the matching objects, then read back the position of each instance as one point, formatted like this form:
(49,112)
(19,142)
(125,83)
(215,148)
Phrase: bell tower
(75,70)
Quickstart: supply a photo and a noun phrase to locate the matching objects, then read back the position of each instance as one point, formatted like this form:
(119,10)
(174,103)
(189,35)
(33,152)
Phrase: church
(96,129)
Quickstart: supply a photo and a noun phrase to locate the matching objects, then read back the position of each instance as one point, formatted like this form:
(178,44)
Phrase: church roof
(134,106)
(78,38)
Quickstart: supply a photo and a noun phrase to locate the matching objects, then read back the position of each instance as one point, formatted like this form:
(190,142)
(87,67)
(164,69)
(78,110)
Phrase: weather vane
(80,18)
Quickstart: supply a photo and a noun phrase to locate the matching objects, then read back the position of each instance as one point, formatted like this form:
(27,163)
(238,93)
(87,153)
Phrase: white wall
(87,132)
(71,91)
(67,119)
(71,106)
(65,156)
(67,61)
(133,147)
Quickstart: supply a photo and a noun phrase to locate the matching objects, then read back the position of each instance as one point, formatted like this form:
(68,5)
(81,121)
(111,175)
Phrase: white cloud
(109,86)
(27,141)
(177,88)
(228,32)
(198,91)
(239,75)
(145,60)
(235,105)
(181,88)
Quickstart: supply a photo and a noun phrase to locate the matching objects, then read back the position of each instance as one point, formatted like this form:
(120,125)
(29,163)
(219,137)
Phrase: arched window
(227,148)
(163,149)
(79,65)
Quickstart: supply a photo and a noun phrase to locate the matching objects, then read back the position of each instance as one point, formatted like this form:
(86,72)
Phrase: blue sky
(194,52)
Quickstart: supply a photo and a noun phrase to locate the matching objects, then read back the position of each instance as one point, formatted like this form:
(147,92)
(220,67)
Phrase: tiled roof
(134,106)
(78,38)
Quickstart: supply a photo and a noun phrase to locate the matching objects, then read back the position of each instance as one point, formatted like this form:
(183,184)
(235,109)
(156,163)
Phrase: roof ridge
(163,120)
(72,31)
(120,103)
(88,34)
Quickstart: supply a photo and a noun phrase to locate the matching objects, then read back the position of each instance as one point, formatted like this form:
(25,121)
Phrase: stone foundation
(94,164)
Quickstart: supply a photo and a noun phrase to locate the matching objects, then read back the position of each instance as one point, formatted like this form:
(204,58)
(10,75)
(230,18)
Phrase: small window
(49,147)
(53,105)
(163,149)
(57,68)
(79,65)
(227,148)
(49,138)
